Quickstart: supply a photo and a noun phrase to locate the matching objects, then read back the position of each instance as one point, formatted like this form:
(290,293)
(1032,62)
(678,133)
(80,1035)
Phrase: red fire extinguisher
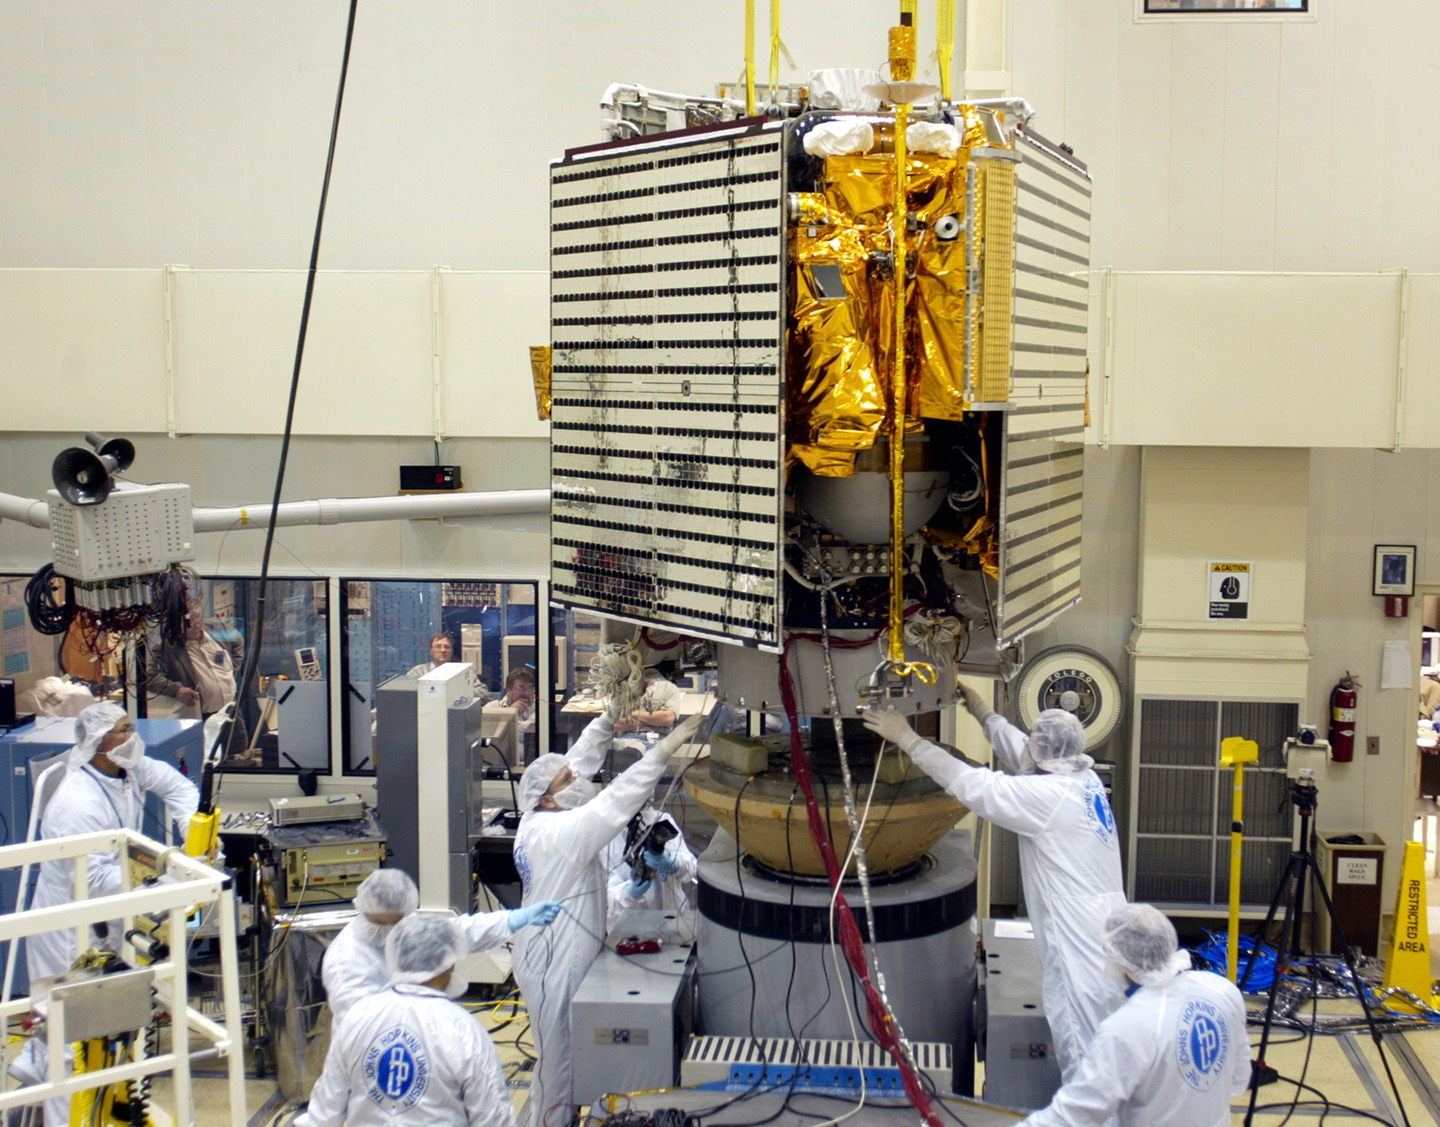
(1343,698)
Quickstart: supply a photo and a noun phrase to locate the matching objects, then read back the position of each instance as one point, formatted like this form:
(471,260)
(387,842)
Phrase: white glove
(892,728)
(976,704)
(681,734)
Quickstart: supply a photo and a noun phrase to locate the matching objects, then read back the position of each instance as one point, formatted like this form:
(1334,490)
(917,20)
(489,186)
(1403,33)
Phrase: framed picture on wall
(1394,569)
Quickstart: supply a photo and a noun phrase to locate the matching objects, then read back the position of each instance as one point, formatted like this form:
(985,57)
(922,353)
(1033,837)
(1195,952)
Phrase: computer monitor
(519,649)
(500,729)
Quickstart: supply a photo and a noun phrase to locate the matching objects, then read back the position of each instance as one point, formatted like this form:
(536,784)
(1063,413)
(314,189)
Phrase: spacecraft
(817,391)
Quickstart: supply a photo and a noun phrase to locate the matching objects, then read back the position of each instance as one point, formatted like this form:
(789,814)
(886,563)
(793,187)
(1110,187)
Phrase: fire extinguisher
(1343,698)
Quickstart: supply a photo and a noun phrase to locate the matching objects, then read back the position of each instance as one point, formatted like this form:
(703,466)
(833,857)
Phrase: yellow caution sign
(1408,966)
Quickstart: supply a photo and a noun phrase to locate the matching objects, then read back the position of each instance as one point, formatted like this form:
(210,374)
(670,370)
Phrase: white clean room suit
(1171,1056)
(1070,865)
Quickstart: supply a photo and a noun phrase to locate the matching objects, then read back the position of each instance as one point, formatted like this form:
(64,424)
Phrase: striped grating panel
(667,350)
(740,1063)
(1044,448)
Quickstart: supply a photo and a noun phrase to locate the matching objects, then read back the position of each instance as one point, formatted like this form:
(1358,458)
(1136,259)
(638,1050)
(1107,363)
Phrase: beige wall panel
(1304,145)
(1252,88)
(1360,498)
(1092,112)
(1176,679)
(1211,504)
(1142,172)
(490,320)
(1421,420)
(1041,25)
(1255,360)
(1354,223)
(84,350)
(1197,148)
(367,354)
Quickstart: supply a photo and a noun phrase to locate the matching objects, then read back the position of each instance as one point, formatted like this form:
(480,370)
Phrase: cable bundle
(46,615)
(618,674)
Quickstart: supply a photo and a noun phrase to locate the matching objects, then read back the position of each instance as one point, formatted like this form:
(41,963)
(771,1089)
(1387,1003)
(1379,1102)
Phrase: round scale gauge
(1079,681)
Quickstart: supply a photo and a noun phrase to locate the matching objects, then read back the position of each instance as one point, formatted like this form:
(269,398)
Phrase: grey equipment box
(1020,1066)
(632,1014)
(397,784)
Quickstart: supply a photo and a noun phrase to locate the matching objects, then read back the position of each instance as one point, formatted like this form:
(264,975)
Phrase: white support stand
(188,884)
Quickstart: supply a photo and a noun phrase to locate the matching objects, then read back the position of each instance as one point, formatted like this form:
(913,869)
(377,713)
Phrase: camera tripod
(1291,892)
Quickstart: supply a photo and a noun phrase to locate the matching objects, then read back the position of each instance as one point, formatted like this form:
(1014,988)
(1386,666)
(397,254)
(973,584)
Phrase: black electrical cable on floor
(252,651)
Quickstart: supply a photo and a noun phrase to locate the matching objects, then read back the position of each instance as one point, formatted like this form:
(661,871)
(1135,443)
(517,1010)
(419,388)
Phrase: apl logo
(1201,1044)
(396,1070)
(1097,810)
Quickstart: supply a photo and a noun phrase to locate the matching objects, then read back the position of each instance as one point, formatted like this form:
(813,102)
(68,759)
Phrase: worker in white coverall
(559,850)
(1173,1054)
(354,966)
(1069,851)
(107,776)
(409,1056)
(668,890)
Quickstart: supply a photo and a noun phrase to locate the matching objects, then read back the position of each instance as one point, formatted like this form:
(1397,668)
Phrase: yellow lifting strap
(749,58)
(774,50)
(945,42)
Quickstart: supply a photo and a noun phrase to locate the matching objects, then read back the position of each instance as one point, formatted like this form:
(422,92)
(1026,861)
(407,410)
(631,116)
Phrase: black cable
(1329,1104)
(46,615)
(213,769)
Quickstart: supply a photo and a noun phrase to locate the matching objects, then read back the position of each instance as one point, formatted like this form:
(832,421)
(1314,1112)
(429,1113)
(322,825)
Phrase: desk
(579,710)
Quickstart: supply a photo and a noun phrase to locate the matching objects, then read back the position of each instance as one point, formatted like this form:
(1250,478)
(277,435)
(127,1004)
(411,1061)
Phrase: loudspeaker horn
(86,478)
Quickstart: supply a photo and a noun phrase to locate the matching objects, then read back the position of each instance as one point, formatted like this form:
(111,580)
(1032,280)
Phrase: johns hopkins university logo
(1202,1044)
(1097,810)
(396,1070)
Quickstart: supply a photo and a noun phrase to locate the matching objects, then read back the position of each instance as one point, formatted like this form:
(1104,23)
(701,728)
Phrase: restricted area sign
(1229,589)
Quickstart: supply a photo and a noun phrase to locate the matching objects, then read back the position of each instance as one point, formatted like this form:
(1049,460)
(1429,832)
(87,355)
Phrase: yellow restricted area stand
(1408,965)
(1235,752)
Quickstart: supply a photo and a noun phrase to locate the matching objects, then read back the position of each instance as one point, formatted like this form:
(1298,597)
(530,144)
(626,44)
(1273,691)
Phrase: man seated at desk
(442,649)
(657,706)
(519,695)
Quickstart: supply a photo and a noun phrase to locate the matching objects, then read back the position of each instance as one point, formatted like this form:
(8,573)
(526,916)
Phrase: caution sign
(1229,590)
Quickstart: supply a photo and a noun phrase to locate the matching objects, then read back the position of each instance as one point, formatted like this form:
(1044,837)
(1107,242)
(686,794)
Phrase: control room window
(285,719)
(388,625)
(1239,7)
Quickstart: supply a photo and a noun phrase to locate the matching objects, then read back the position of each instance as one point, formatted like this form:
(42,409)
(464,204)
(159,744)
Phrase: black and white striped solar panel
(667,422)
(1044,450)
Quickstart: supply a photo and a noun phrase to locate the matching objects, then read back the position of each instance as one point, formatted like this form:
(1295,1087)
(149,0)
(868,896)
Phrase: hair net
(537,779)
(1057,742)
(92,726)
(387,892)
(1140,941)
(423,946)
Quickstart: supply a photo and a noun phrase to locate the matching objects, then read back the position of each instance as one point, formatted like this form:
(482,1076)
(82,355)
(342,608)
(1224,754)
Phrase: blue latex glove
(660,862)
(541,914)
(639,888)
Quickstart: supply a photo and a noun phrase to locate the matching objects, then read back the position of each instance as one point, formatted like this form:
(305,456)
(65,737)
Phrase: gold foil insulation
(540,370)
(843,301)
(902,53)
